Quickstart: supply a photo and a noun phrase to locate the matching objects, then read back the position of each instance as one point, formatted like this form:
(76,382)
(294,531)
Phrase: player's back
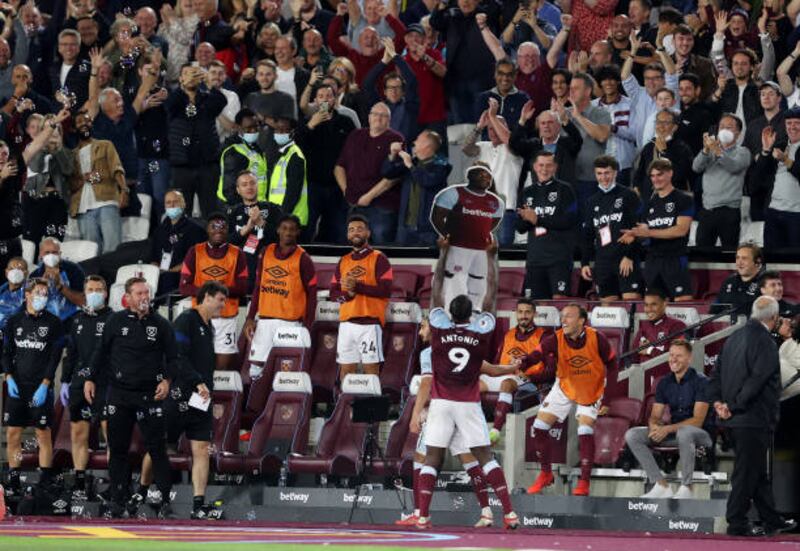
(457,354)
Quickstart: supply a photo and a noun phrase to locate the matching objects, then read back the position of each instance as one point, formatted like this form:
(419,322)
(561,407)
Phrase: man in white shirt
(290,78)
(215,77)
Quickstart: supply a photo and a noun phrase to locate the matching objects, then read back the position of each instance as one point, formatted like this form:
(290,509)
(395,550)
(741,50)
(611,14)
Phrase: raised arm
(489,38)
(558,42)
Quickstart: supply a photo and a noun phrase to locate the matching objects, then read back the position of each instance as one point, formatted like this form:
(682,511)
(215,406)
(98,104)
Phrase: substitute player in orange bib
(285,293)
(218,260)
(362,284)
(580,356)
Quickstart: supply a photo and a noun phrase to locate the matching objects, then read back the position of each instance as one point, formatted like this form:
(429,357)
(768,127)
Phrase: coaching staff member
(34,340)
(745,390)
(139,358)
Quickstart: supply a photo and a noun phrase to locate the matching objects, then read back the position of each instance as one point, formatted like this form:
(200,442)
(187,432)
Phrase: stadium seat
(281,429)
(400,346)
(79,250)
(791,285)
(398,458)
(404,283)
(29,253)
(72,232)
(613,322)
(510,283)
(148,271)
(135,228)
(715,280)
(115,294)
(625,408)
(226,410)
(290,352)
(324,369)
(547,316)
(609,439)
(341,444)
(687,314)
(425,290)
(324,276)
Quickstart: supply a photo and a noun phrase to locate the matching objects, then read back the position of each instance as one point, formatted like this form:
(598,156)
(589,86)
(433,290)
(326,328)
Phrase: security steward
(139,358)
(610,210)
(286,294)
(85,331)
(33,342)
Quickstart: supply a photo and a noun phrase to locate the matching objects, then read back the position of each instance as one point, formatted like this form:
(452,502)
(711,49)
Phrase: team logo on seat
(286,412)
(276,272)
(398,343)
(215,271)
(329,341)
(218,411)
(287,364)
(357,272)
(579,361)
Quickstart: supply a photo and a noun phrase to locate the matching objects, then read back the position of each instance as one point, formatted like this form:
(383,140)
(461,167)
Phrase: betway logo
(477,212)
(659,222)
(642,506)
(544,211)
(606,218)
(683,525)
(362,500)
(288,380)
(292,336)
(606,315)
(544,522)
(292,496)
(494,502)
(29,344)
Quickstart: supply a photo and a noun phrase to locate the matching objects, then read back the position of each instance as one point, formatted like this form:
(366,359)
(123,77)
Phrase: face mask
(15,276)
(38,303)
(250,137)
(282,139)
(51,260)
(174,212)
(725,136)
(95,301)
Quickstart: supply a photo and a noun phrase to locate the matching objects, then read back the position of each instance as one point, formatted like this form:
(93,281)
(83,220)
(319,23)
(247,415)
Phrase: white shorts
(493,383)
(556,403)
(446,418)
(359,343)
(463,264)
(226,335)
(457,446)
(262,338)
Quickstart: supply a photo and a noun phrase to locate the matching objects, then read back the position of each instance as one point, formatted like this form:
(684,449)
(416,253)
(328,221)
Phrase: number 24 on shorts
(367,347)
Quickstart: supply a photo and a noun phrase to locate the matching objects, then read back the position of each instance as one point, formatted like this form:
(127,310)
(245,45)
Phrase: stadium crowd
(590,129)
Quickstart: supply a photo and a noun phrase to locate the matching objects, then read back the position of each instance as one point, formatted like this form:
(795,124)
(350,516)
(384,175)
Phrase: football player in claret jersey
(518,342)
(580,356)
(465,217)
(458,351)
(362,284)
(657,325)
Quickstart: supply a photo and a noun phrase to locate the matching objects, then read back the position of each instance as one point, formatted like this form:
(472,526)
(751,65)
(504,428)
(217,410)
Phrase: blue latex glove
(40,395)
(64,394)
(13,389)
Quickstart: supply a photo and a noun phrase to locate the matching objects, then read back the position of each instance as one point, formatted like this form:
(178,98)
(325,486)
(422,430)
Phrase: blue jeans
(461,102)
(382,223)
(506,231)
(155,183)
(103,226)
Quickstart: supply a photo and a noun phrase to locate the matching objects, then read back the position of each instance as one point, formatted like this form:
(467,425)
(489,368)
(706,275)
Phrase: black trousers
(723,223)
(201,180)
(750,481)
(126,409)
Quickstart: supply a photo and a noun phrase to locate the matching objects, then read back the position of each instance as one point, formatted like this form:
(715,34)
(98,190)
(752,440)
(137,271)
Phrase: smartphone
(195,64)
(324,107)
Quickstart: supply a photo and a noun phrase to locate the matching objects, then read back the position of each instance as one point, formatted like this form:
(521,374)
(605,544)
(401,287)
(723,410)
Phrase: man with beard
(362,284)
(218,260)
(622,142)
(98,189)
(268,102)
(193,139)
(517,343)
(696,116)
(740,93)
(687,62)
(465,216)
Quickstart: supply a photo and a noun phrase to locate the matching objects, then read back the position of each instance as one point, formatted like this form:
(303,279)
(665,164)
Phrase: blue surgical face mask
(250,137)
(282,139)
(174,212)
(38,303)
(95,300)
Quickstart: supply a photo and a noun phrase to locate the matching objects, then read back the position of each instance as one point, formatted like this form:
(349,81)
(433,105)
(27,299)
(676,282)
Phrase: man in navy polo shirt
(684,390)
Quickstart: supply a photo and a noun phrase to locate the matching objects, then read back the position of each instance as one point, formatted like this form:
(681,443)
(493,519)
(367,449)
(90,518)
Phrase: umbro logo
(357,272)
(579,362)
(216,272)
(277,272)
(516,352)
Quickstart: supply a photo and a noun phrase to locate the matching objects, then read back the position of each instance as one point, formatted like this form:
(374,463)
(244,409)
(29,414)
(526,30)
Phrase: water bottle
(283,476)
(139,269)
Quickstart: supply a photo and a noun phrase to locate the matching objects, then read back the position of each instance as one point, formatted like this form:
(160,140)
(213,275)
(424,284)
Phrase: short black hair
(34,282)
(656,292)
(217,216)
(606,161)
(290,218)
(243,114)
(529,301)
(670,15)
(543,153)
(567,74)
(608,72)
(461,309)
(582,313)
(735,118)
(358,218)
(691,77)
(766,276)
(211,288)
(96,278)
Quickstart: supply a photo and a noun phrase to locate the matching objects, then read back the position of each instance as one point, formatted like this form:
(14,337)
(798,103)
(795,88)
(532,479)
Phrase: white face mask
(15,276)
(725,136)
(51,260)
